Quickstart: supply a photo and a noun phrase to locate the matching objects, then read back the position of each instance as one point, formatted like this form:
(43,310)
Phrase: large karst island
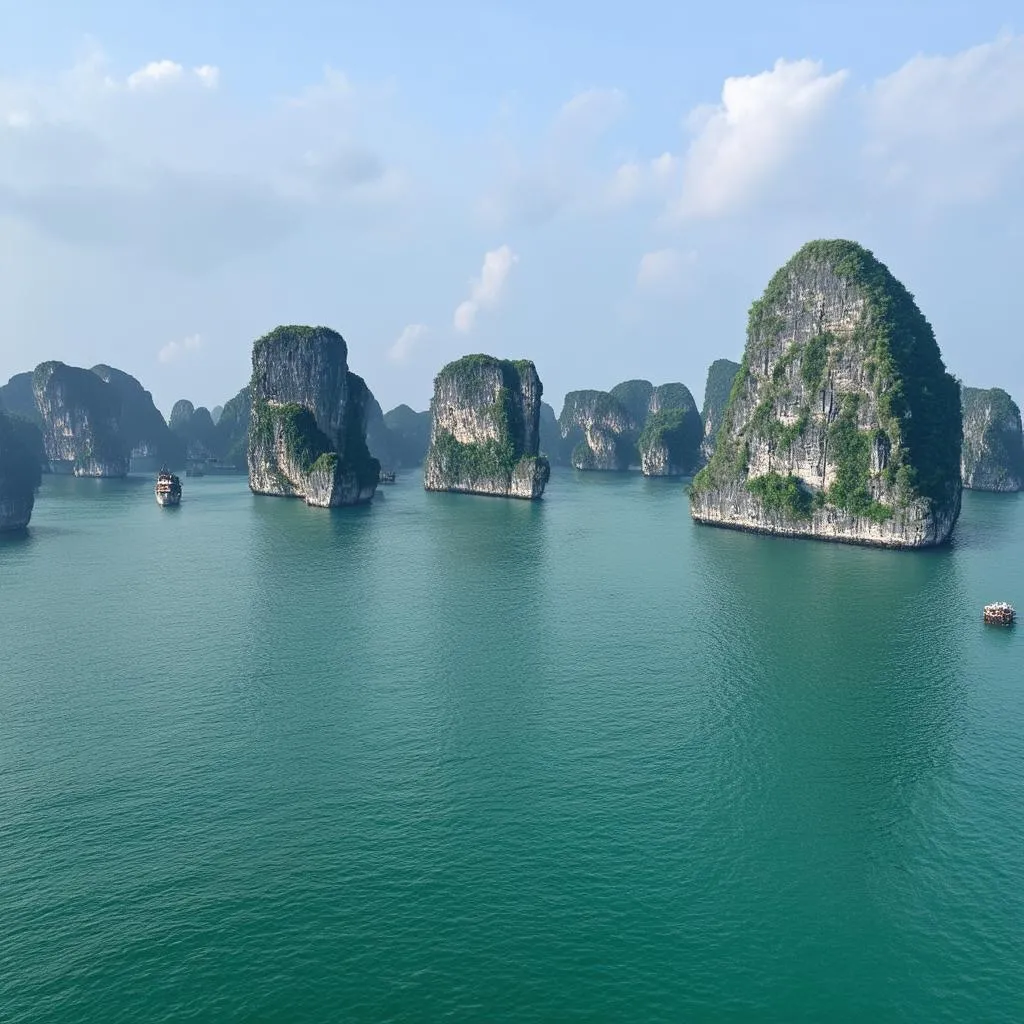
(993,450)
(21,455)
(635,422)
(307,431)
(81,421)
(842,422)
(485,429)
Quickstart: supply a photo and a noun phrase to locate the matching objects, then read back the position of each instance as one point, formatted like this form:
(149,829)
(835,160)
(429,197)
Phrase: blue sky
(602,188)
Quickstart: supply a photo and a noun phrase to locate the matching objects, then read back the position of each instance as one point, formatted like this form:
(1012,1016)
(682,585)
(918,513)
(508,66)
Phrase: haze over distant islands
(612,210)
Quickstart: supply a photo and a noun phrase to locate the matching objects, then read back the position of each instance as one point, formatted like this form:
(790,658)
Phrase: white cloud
(950,129)
(535,187)
(178,175)
(174,350)
(159,72)
(635,180)
(486,290)
(663,269)
(407,341)
(747,138)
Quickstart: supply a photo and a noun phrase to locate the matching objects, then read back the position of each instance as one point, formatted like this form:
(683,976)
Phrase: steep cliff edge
(721,374)
(552,446)
(842,422)
(20,471)
(81,415)
(992,457)
(307,433)
(485,432)
(599,431)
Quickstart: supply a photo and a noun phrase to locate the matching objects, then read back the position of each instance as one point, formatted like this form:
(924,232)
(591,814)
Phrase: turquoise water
(455,758)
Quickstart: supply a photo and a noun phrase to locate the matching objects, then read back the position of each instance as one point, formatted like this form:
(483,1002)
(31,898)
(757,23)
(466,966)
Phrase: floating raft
(1000,614)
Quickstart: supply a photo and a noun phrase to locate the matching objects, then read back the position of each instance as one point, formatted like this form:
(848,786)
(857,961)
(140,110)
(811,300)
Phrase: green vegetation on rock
(901,414)
(783,495)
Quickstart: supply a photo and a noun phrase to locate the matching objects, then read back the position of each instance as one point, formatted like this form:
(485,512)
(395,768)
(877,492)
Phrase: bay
(460,758)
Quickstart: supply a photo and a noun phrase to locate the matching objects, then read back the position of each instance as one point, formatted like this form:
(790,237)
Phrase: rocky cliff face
(669,444)
(81,415)
(20,471)
(843,423)
(635,421)
(599,431)
(142,427)
(18,398)
(410,435)
(307,433)
(378,436)
(485,433)
(992,457)
(721,374)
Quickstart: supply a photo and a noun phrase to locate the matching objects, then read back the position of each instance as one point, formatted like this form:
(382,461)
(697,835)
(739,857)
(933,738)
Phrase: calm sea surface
(456,758)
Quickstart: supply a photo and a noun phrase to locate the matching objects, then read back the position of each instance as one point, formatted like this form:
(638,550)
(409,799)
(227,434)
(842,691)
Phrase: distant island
(842,422)
(993,452)
(485,430)
(636,422)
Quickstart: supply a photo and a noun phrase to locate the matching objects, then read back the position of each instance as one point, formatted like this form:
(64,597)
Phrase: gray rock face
(307,433)
(843,423)
(81,421)
(599,429)
(721,374)
(194,429)
(20,471)
(485,433)
(992,458)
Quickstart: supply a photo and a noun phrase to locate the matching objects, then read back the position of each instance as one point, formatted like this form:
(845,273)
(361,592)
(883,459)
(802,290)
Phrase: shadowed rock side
(18,398)
(669,444)
(485,433)
(598,430)
(195,430)
(721,374)
(141,425)
(81,415)
(410,435)
(307,433)
(636,397)
(378,436)
(231,439)
(842,423)
(20,471)
(552,446)
(992,457)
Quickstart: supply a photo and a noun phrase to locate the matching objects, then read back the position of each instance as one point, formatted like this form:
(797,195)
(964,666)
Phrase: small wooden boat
(999,614)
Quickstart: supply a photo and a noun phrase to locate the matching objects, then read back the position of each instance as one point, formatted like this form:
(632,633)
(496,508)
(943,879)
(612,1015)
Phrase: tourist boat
(1000,614)
(168,489)
(387,477)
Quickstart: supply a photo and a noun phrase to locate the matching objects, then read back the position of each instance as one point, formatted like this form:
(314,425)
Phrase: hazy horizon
(604,192)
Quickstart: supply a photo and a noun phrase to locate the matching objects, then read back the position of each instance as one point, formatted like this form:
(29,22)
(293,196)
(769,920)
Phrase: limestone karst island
(842,422)
(485,433)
